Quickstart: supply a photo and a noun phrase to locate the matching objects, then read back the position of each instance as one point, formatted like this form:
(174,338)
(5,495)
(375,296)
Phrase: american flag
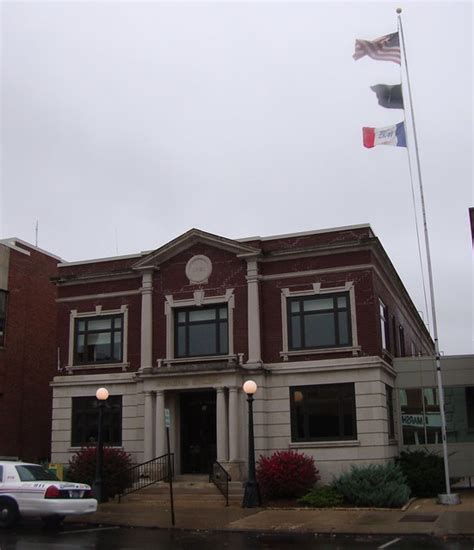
(386,48)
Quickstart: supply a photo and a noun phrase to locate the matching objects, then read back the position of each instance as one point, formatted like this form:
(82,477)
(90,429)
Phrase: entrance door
(198,432)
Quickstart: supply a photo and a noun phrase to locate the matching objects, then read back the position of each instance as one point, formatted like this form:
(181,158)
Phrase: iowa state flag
(390,135)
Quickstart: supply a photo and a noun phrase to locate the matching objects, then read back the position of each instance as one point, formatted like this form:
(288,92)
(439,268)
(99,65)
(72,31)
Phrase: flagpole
(447,498)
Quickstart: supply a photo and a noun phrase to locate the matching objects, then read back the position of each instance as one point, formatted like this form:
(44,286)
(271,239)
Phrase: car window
(1,474)
(32,472)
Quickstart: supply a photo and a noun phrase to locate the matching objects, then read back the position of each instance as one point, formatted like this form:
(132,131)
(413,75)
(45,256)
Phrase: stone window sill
(355,350)
(316,444)
(231,359)
(77,449)
(98,366)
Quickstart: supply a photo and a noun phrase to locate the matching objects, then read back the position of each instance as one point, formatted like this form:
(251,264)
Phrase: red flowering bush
(286,474)
(116,463)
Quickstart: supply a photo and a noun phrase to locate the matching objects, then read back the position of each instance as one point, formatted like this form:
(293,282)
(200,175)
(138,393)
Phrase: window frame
(316,290)
(98,312)
(384,325)
(199,298)
(334,311)
(113,412)
(113,331)
(306,438)
(217,322)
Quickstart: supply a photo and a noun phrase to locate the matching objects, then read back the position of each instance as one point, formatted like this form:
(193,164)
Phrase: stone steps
(186,489)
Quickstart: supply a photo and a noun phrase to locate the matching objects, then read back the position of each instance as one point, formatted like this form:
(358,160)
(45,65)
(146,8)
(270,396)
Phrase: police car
(30,490)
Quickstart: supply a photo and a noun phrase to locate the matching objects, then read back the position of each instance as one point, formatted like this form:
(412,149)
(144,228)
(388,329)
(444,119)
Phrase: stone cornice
(94,278)
(188,239)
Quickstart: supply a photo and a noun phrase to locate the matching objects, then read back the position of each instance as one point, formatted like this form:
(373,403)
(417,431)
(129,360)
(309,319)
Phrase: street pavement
(422,517)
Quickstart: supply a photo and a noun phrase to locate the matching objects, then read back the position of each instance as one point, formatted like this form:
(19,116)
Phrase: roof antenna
(36,231)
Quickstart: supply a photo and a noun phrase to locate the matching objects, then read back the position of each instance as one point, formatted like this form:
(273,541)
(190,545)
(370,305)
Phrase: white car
(30,490)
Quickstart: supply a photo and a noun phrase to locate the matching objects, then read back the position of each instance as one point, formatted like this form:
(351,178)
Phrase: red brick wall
(402,317)
(134,320)
(28,361)
(333,238)
(271,304)
(228,271)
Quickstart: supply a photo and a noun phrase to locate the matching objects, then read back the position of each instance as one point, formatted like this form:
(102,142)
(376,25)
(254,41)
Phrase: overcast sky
(124,124)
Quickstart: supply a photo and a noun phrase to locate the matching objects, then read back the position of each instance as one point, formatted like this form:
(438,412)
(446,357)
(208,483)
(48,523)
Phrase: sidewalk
(422,517)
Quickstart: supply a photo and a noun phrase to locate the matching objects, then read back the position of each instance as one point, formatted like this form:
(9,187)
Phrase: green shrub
(322,497)
(378,485)
(286,474)
(115,474)
(424,472)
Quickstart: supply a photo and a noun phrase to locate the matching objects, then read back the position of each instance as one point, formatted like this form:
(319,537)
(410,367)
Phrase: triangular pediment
(190,238)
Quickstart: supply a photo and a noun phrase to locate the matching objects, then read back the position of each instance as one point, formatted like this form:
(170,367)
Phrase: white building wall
(272,425)
(272,412)
(67,387)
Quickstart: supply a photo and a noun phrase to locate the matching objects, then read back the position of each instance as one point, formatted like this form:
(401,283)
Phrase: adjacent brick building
(27,349)
(314,318)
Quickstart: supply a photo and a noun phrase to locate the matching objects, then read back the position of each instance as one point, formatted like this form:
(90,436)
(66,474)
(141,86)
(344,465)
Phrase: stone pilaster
(234,447)
(253,313)
(160,431)
(146,322)
(148,427)
(221,414)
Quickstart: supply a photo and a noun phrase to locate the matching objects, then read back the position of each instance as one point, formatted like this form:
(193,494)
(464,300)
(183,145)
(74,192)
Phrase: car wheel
(8,513)
(52,522)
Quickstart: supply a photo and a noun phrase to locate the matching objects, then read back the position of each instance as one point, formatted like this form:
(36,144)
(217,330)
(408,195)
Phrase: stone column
(253,313)
(221,416)
(148,427)
(160,437)
(234,447)
(146,322)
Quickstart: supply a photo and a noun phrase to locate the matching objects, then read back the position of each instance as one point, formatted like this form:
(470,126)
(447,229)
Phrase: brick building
(314,318)
(27,349)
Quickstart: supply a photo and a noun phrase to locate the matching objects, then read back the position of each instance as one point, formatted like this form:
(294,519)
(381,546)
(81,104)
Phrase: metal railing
(144,474)
(220,477)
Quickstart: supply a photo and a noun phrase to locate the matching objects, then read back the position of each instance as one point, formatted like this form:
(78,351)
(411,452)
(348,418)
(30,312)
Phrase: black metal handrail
(144,474)
(220,477)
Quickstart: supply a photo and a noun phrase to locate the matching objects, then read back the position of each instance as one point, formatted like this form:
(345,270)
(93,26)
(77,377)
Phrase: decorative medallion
(198,269)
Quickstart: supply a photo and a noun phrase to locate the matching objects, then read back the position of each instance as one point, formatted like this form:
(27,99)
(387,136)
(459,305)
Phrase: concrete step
(186,489)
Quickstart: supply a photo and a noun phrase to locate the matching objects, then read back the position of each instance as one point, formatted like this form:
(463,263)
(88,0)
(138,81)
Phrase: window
(32,472)
(401,338)
(323,413)
(394,348)
(384,330)
(201,331)
(389,400)
(319,321)
(421,418)
(470,407)
(98,339)
(85,418)
(3,315)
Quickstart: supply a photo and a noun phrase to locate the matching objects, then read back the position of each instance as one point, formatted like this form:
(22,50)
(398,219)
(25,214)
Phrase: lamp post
(102,395)
(252,491)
